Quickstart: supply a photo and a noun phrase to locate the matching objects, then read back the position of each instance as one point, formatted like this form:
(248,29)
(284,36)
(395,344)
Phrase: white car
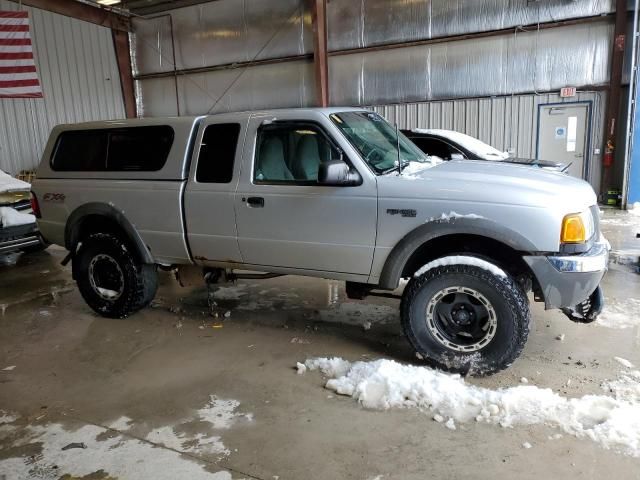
(18,229)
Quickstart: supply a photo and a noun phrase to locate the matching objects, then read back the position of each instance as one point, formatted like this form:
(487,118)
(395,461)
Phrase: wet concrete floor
(176,392)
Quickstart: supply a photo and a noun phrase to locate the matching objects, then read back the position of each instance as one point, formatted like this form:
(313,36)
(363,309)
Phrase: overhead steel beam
(615,90)
(475,35)
(321,62)
(81,11)
(123,57)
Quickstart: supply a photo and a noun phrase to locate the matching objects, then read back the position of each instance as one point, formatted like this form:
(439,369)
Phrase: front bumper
(569,280)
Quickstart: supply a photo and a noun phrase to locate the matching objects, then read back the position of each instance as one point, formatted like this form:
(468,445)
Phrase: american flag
(18,76)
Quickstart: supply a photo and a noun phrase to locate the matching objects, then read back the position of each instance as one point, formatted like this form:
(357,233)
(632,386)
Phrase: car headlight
(577,227)
(8,198)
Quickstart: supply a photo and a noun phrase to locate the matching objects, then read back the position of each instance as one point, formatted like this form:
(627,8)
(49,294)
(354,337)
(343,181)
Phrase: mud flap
(587,311)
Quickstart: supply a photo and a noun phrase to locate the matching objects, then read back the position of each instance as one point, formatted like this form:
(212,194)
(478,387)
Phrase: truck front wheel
(109,277)
(465,318)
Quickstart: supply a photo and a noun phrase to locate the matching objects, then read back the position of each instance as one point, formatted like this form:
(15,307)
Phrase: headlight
(577,227)
(8,198)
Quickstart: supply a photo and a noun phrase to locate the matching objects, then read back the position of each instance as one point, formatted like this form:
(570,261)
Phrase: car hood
(478,181)
(10,184)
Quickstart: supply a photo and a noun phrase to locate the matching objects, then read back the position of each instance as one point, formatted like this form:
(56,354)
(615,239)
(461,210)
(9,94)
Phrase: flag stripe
(14,14)
(14,28)
(14,21)
(14,34)
(22,95)
(8,91)
(8,42)
(19,83)
(17,63)
(16,49)
(18,69)
(16,55)
(18,76)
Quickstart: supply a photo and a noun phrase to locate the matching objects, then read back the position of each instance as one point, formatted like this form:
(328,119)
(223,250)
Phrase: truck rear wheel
(465,318)
(109,277)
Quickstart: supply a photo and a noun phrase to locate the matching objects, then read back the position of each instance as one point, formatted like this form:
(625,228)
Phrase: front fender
(410,243)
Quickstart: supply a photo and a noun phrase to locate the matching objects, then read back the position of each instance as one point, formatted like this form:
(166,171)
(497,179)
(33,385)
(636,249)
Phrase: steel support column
(123,57)
(321,62)
(615,90)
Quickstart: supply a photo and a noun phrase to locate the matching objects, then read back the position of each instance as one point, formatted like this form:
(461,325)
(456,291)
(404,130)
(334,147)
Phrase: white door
(562,136)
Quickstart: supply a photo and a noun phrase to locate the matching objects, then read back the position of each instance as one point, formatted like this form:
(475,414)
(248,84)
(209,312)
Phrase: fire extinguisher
(607,159)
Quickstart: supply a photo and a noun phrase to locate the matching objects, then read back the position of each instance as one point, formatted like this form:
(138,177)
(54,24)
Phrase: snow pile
(461,260)
(626,387)
(620,313)
(635,209)
(613,422)
(447,217)
(118,455)
(10,184)
(10,217)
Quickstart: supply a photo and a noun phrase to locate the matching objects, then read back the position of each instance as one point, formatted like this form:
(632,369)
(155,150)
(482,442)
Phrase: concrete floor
(138,392)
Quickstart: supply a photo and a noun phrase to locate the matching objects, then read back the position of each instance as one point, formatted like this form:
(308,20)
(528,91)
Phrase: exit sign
(568,92)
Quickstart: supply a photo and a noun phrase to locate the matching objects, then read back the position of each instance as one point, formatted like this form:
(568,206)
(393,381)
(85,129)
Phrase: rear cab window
(217,153)
(140,149)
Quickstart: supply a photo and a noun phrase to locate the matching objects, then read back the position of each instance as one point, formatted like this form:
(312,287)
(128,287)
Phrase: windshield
(376,141)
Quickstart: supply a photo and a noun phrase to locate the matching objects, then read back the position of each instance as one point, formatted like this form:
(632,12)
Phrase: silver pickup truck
(333,193)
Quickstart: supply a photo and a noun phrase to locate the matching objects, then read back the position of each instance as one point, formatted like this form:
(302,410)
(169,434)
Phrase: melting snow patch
(199,443)
(613,422)
(461,260)
(624,362)
(118,456)
(229,293)
(221,414)
(122,424)
(620,313)
(447,217)
(6,417)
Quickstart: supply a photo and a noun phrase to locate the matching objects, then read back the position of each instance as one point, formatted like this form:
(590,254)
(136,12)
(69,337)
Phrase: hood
(478,181)
(10,184)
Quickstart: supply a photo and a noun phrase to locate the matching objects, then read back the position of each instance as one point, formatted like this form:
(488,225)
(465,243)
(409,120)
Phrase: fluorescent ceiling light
(108,2)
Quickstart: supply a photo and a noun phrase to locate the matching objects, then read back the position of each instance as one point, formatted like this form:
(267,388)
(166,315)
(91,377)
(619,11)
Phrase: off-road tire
(140,281)
(507,298)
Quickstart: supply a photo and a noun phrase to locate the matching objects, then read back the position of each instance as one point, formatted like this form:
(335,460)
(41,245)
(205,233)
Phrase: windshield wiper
(396,168)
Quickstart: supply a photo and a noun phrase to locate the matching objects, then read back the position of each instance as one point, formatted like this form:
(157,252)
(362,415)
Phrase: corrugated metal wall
(227,31)
(79,75)
(519,62)
(509,123)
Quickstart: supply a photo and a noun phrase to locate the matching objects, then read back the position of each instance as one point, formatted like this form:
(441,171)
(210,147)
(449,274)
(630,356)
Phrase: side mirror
(457,156)
(337,173)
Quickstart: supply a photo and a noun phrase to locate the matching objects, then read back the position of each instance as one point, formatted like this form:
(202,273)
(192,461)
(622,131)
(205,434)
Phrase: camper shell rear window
(133,149)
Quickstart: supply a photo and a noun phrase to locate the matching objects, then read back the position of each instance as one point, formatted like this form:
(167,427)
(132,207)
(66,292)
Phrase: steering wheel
(370,157)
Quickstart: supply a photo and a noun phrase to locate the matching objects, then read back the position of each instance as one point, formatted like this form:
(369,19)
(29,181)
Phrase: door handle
(255,202)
